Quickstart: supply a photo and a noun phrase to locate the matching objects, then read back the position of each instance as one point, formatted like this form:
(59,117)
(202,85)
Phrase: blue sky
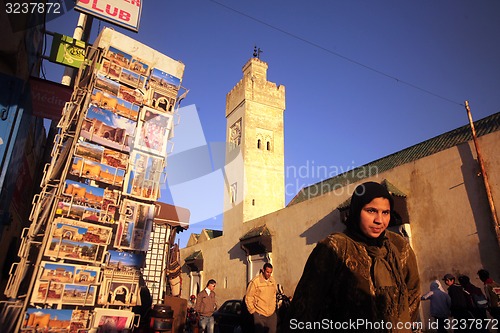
(363,79)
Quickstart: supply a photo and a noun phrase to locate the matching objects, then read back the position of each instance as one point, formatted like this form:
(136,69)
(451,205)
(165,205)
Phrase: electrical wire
(337,54)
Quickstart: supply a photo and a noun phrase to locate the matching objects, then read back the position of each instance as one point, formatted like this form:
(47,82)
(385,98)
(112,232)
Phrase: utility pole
(496,225)
(82,32)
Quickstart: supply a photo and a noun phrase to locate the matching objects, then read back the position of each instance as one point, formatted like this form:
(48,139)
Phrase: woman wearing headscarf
(364,279)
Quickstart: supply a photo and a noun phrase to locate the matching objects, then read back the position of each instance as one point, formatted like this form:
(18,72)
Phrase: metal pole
(82,32)
(496,225)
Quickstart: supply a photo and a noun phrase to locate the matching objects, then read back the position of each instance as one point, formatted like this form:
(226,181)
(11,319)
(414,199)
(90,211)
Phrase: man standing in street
(492,291)
(460,301)
(261,300)
(205,306)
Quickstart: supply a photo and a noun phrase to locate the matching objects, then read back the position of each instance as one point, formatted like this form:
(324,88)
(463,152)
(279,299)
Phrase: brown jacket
(205,304)
(261,295)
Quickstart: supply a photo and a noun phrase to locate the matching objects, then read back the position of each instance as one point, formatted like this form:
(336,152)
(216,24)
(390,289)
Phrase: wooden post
(496,225)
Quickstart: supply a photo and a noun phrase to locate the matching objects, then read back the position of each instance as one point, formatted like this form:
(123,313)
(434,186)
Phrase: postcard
(88,202)
(87,275)
(82,194)
(139,66)
(100,154)
(118,57)
(115,159)
(79,321)
(76,212)
(74,280)
(109,206)
(74,294)
(47,292)
(137,212)
(106,84)
(120,285)
(132,79)
(89,151)
(57,272)
(107,128)
(160,101)
(112,321)
(125,262)
(79,251)
(133,235)
(131,95)
(79,231)
(144,176)
(135,226)
(154,131)
(97,171)
(110,69)
(116,292)
(111,102)
(165,82)
(77,240)
(54,320)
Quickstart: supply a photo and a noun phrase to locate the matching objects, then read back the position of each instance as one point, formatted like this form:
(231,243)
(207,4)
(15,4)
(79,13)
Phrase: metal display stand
(82,260)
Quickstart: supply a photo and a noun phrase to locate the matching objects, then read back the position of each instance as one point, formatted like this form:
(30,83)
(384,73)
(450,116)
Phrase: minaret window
(264,139)
(233,189)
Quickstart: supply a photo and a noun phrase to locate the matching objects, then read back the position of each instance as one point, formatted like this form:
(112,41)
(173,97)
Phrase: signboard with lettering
(124,13)
(48,98)
(67,51)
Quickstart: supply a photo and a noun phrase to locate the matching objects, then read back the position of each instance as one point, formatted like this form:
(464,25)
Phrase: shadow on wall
(236,252)
(324,227)
(476,194)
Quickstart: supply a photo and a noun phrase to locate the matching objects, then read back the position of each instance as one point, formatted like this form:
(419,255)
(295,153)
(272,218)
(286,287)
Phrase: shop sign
(124,13)
(67,51)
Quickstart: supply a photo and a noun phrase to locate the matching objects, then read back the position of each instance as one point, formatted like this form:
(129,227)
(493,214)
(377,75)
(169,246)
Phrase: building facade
(438,190)
(22,136)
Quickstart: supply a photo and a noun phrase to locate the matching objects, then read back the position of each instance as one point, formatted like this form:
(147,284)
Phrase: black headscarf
(364,194)
(385,262)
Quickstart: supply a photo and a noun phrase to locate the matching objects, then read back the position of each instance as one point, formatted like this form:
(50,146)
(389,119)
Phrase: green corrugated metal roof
(213,233)
(194,255)
(393,190)
(257,231)
(429,147)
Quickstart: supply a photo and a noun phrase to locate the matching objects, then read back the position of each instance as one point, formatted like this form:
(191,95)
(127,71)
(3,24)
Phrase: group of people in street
(364,279)
(260,300)
(463,302)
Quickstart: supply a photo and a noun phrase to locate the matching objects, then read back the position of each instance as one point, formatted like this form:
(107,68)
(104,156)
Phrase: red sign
(48,98)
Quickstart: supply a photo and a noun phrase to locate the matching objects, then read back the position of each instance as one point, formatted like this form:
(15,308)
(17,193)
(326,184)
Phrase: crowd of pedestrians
(464,306)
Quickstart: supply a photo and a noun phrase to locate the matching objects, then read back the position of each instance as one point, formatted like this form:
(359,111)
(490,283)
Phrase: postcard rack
(82,259)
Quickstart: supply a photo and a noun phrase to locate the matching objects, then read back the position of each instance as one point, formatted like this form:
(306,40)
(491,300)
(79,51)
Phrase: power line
(338,54)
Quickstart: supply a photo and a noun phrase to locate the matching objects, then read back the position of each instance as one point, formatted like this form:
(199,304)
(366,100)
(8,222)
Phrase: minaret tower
(255,182)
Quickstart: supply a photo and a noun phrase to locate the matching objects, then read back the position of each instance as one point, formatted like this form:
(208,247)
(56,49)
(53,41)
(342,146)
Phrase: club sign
(124,13)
